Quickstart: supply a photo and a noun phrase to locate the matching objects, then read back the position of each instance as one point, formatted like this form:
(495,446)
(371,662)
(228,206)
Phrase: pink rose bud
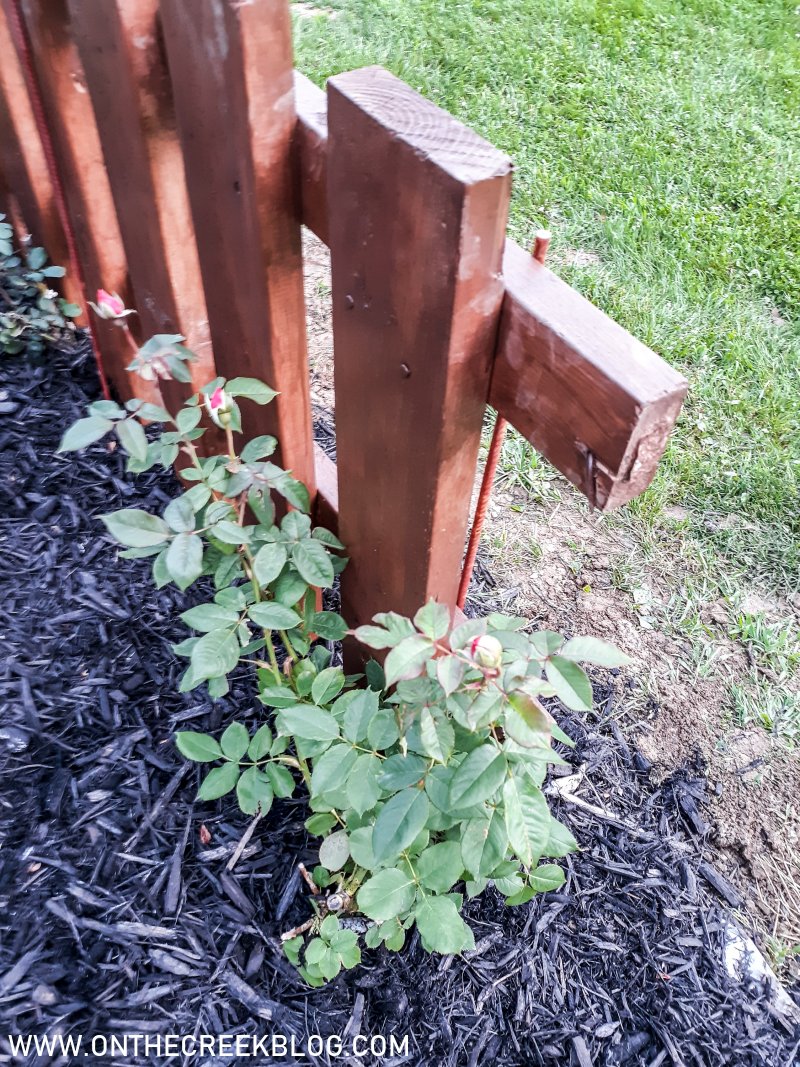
(486,651)
(218,406)
(110,306)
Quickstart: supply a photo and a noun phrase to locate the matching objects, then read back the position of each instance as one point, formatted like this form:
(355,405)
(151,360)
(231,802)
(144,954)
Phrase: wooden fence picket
(416,243)
(128,81)
(232,78)
(30,200)
(79,157)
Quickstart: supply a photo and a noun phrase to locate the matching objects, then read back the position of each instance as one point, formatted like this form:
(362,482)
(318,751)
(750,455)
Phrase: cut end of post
(541,242)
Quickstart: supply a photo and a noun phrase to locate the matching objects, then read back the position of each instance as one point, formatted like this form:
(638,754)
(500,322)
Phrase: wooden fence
(182,153)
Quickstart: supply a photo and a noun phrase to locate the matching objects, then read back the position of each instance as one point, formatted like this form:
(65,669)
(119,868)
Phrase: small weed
(774,708)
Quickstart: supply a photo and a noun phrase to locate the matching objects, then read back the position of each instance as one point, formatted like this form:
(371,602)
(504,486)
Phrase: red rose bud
(110,306)
(486,651)
(218,406)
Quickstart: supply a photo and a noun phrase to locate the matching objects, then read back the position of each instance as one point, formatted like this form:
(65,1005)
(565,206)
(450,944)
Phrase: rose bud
(218,406)
(486,651)
(110,306)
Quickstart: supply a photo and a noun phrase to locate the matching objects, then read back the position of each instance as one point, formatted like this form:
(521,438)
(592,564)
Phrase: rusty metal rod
(541,243)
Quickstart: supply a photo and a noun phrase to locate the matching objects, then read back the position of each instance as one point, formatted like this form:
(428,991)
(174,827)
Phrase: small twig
(297,930)
(243,843)
(312,885)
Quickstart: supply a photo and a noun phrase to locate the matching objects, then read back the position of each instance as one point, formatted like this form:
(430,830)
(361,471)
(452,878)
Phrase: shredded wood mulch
(127,908)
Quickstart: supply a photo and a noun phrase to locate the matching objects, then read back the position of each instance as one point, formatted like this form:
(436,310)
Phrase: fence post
(79,158)
(29,188)
(128,81)
(231,71)
(416,243)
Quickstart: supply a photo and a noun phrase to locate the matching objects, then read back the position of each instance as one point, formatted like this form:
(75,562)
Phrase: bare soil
(570,570)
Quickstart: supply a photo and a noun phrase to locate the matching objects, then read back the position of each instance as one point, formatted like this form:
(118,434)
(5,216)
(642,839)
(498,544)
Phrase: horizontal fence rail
(175,150)
(565,375)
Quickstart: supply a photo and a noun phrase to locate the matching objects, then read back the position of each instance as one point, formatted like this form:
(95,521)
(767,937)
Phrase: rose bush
(423,775)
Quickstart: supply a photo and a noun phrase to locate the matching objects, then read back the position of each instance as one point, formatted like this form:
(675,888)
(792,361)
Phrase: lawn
(659,142)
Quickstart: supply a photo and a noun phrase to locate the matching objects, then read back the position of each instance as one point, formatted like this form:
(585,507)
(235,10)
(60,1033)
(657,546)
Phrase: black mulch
(116,918)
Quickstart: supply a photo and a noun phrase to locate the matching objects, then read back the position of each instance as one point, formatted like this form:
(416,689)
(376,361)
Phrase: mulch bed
(115,917)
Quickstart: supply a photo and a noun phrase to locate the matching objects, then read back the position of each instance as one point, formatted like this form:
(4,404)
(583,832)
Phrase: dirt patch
(570,570)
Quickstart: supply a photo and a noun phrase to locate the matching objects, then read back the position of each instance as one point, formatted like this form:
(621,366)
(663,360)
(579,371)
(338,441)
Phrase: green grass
(663,137)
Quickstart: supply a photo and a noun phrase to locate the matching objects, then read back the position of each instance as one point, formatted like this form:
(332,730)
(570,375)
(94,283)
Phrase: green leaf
(234,741)
(572,686)
(230,533)
(254,792)
(407,659)
(398,823)
(313,563)
(36,257)
(560,842)
(184,559)
(433,620)
(332,768)
(387,894)
(252,389)
(382,731)
(546,642)
(593,650)
(85,432)
(202,748)
(320,824)
(440,866)
(269,562)
(259,448)
(108,409)
(374,637)
(358,715)
(215,653)
(273,616)
(218,782)
(450,671)
(441,928)
(179,514)
(526,721)
(478,777)
(260,744)
(281,779)
(206,617)
(483,844)
(309,723)
(328,625)
(334,851)
(363,790)
(527,819)
(132,438)
(437,736)
(327,685)
(546,877)
(401,770)
(136,529)
(327,538)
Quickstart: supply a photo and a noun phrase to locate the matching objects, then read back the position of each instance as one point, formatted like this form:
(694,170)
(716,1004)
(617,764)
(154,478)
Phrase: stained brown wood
(416,243)
(603,391)
(326,505)
(575,382)
(311,151)
(231,71)
(73,132)
(126,74)
(24,164)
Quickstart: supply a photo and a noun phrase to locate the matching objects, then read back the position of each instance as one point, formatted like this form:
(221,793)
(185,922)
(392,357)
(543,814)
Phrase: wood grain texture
(87,192)
(230,65)
(566,376)
(29,199)
(416,244)
(311,154)
(572,380)
(126,73)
